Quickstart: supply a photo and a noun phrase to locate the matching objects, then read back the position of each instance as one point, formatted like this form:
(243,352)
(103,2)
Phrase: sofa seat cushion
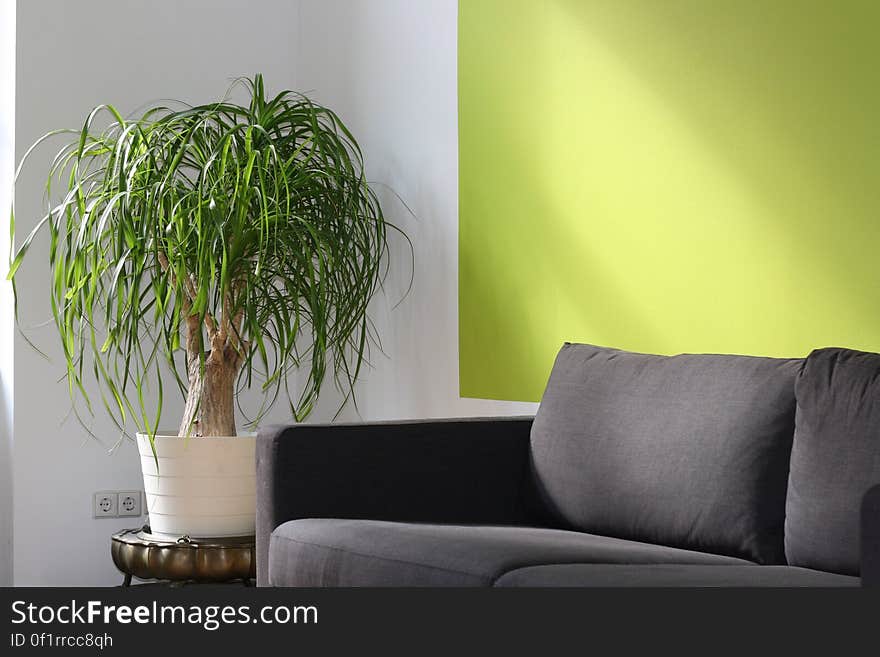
(331,552)
(688,450)
(669,575)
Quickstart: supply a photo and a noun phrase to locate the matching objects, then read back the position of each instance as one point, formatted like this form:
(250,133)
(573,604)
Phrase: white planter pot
(203,487)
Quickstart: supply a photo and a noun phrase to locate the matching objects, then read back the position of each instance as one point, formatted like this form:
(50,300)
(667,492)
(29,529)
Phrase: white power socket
(128,502)
(116,503)
(104,504)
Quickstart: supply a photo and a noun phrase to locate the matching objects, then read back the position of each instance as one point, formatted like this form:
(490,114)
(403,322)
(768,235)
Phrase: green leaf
(261,215)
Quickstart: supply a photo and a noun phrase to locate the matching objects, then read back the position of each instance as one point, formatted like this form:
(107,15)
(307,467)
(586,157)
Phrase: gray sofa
(638,470)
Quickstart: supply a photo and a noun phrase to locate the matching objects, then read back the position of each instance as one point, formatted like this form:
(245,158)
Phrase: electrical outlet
(104,504)
(129,503)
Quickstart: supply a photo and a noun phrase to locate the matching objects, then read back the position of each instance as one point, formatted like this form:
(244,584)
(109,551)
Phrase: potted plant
(227,245)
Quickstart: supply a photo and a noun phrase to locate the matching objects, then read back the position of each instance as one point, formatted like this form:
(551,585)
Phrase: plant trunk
(210,400)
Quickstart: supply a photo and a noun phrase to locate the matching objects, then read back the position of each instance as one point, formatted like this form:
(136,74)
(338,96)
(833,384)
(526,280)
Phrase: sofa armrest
(457,470)
(870,566)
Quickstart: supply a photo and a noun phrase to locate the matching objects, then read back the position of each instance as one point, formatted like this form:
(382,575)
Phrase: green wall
(677,176)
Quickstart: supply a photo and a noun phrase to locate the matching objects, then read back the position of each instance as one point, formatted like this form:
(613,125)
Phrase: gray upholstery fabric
(690,451)
(663,575)
(835,458)
(870,540)
(330,552)
(469,470)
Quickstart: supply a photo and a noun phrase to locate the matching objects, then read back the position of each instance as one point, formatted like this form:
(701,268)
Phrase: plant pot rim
(170,434)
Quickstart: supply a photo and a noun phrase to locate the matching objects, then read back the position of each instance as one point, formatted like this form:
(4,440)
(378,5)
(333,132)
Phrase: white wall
(387,66)
(72,56)
(7,146)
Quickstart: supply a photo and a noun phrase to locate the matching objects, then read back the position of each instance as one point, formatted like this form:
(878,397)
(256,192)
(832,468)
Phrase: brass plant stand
(183,560)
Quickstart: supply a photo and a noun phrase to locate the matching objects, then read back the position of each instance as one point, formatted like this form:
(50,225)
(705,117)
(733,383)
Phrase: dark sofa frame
(446,470)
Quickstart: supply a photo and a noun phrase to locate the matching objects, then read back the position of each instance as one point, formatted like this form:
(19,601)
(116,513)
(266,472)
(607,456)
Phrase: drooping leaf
(256,211)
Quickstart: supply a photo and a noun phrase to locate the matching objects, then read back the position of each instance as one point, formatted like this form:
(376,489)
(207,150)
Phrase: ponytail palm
(234,243)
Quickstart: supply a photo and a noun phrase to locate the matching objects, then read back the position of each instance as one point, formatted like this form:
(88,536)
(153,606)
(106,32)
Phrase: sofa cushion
(690,451)
(666,575)
(330,552)
(835,458)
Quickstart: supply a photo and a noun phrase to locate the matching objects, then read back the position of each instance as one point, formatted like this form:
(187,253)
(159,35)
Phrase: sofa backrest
(835,458)
(690,451)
